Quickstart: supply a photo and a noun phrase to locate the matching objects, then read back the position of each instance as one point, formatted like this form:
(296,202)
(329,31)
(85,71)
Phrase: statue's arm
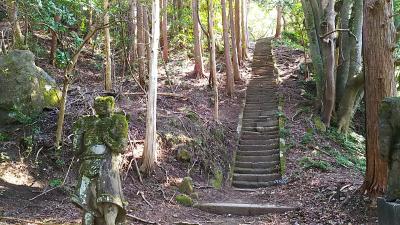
(117,141)
(385,131)
(77,141)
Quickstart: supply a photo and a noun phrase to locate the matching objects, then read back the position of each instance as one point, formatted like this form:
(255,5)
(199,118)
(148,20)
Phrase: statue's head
(104,106)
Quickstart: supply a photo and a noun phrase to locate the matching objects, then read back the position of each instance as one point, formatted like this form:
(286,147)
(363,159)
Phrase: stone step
(256,171)
(251,114)
(269,158)
(269,146)
(260,129)
(257,153)
(251,135)
(258,141)
(257,165)
(242,209)
(256,177)
(269,123)
(248,184)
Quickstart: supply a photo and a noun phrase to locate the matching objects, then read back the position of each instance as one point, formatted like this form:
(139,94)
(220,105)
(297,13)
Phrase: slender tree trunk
(330,64)
(315,50)
(164,32)
(344,51)
(107,48)
(18,38)
(236,72)
(53,45)
(198,58)
(237,31)
(141,45)
(245,52)
(278,27)
(150,146)
(228,62)
(146,31)
(379,42)
(132,53)
(213,69)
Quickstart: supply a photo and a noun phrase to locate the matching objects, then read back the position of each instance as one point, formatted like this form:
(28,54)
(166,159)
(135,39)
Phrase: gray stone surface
(388,212)
(243,209)
(25,89)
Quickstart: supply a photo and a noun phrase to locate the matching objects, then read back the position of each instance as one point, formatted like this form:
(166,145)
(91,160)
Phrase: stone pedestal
(388,212)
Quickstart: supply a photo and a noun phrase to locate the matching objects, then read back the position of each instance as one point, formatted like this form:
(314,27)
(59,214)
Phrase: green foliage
(218,179)
(4,137)
(55,182)
(184,200)
(17,114)
(4,157)
(308,137)
(62,58)
(308,163)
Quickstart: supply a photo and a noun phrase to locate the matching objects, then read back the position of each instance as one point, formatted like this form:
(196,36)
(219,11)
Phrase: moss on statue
(184,199)
(186,186)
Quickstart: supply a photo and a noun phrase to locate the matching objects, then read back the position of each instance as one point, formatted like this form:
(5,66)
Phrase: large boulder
(25,88)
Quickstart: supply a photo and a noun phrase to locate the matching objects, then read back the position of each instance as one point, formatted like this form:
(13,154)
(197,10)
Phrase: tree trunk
(379,42)
(355,78)
(164,31)
(330,63)
(18,38)
(198,58)
(236,72)
(146,30)
(245,52)
(107,48)
(228,62)
(53,45)
(315,51)
(150,144)
(237,31)
(278,29)
(213,69)
(132,53)
(140,45)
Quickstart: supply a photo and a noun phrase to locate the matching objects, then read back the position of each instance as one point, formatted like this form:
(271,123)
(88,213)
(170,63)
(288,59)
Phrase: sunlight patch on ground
(18,174)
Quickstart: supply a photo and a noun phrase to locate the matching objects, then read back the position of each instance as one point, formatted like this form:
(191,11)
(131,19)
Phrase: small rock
(184,200)
(186,186)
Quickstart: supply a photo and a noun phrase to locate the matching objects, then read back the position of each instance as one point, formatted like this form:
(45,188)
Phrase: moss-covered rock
(184,155)
(186,186)
(25,88)
(184,200)
(319,124)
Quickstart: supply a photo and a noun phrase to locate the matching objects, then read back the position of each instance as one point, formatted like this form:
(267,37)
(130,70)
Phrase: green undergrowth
(308,163)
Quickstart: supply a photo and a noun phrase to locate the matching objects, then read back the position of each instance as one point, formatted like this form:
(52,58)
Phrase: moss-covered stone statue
(389,140)
(98,143)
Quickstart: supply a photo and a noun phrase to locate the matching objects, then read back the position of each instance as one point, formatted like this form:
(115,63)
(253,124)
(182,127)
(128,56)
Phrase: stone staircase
(257,159)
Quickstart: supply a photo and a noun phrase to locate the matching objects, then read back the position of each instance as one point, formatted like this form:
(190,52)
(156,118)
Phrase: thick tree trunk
(237,31)
(141,45)
(164,32)
(278,28)
(198,58)
(107,48)
(344,50)
(379,42)
(228,62)
(355,79)
(53,45)
(132,53)
(146,30)
(213,69)
(236,72)
(150,145)
(330,63)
